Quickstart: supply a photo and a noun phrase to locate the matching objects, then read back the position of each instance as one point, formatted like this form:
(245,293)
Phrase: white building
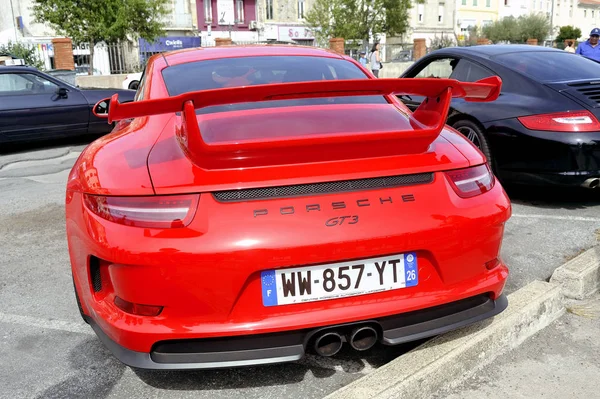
(433,18)
(582,14)
(17,25)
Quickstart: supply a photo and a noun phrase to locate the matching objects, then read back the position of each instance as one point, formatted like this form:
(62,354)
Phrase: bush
(568,33)
(513,30)
(23,51)
(442,42)
(534,26)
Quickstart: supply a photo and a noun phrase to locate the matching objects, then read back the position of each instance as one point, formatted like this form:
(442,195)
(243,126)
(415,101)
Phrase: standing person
(570,47)
(375,60)
(362,58)
(590,47)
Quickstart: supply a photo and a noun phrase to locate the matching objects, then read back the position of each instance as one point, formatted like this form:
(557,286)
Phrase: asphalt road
(46,350)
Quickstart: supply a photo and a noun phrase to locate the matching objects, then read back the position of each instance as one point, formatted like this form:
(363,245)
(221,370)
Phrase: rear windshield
(546,66)
(245,71)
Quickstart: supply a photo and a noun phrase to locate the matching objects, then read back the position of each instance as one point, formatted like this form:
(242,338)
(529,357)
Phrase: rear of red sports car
(254,204)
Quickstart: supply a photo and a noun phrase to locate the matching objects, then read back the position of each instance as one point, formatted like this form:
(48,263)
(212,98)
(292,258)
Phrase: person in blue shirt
(363,58)
(590,47)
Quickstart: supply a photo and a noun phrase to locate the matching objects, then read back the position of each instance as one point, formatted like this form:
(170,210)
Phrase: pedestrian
(362,58)
(590,47)
(375,60)
(570,47)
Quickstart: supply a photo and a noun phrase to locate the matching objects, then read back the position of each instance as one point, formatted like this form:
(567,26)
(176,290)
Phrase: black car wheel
(134,85)
(474,133)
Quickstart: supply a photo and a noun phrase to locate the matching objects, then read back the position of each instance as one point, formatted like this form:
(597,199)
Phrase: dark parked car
(35,106)
(544,128)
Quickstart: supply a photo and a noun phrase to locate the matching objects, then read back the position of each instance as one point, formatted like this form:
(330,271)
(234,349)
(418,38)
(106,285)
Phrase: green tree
(442,41)
(568,32)
(358,19)
(93,21)
(534,26)
(511,29)
(504,30)
(23,51)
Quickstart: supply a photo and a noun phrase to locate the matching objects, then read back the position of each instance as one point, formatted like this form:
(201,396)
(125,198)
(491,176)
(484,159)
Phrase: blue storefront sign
(169,43)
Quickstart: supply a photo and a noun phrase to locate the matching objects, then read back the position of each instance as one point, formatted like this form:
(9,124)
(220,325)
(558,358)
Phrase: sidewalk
(561,361)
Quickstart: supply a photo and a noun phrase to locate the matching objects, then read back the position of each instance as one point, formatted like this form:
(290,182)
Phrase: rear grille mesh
(322,188)
(95,274)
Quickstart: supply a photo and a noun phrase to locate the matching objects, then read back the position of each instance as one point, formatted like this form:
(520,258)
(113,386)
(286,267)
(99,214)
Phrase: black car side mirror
(62,92)
(101,108)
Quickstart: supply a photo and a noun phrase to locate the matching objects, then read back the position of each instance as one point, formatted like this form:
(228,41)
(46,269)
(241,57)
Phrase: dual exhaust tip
(593,182)
(360,338)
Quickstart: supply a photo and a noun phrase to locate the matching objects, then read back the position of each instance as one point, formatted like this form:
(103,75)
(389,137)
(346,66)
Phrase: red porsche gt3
(255,203)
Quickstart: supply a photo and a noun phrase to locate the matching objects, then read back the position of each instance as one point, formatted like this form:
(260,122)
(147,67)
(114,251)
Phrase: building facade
(284,20)
(227,18)
(474,13)
(17,25)
(254,20)
(586,13)
(430,20)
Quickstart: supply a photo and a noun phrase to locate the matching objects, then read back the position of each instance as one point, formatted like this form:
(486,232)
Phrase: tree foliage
(514,30)
(23,51)
(443,41)
(358,19)
(534,26)
(506,29)
(93,21)
(568,32)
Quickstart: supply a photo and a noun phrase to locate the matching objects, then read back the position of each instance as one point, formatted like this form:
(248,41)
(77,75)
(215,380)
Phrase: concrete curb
(450,358)
(580,277)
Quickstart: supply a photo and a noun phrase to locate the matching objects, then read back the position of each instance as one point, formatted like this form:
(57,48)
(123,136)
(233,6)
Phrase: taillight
(575,121)
(470,182)
(168,211)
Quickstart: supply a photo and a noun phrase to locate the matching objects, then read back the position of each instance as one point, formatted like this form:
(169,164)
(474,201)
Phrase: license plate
(339,280)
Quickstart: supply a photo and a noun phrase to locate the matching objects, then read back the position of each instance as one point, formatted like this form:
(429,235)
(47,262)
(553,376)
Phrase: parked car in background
(82,70)
(544,127)
(132,81)
(35,105)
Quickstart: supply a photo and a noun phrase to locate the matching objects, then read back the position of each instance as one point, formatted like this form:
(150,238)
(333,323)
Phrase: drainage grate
(322,188)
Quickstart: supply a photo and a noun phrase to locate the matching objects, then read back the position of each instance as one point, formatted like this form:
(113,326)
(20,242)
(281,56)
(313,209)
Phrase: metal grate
(322,188)
(95,274)
(591,90)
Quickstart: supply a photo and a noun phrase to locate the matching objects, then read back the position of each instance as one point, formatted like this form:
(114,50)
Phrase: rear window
(246,71)
(282,118)
(551,66)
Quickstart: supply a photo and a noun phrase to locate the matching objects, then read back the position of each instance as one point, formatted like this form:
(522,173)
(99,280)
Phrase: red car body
(179,225)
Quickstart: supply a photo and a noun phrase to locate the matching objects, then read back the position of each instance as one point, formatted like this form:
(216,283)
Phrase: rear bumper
(207,277)
(292,345)
(561,179)
(543,158)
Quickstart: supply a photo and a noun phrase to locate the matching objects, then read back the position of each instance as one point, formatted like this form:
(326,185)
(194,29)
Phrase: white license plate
(338,280)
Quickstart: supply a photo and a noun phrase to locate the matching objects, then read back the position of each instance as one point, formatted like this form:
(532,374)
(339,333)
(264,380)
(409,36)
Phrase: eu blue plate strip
(410,268)
(269,290)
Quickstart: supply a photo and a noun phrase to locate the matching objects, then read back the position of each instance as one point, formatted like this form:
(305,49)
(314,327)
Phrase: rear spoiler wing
(427,120)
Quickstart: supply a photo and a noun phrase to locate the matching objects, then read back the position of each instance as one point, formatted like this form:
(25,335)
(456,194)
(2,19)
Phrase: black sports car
(544,128)
(35,105)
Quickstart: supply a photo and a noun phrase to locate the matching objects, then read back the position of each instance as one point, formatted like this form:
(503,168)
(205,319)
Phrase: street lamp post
(14,21)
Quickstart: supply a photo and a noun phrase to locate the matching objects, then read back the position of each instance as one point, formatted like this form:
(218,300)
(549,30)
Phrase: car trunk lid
(279,146)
